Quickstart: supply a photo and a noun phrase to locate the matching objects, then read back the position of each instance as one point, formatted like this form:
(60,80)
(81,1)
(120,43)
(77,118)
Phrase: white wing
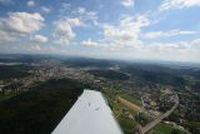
(89,115)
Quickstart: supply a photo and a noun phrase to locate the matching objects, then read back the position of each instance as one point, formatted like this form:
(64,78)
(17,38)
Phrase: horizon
(142,61)
(121,30)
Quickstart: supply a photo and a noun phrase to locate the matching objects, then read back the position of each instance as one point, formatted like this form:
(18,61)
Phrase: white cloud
(39,38)
(88,17)
(128,3)
(22,22)
(120,36)
(196,44)
(81,10)
(7,37)
(178,4)
(179,51)
(45,9)
(35,47)
(64,33)
(127,32)
(89,43)
(171,33)
(30,3)
(124,41)
(19,24)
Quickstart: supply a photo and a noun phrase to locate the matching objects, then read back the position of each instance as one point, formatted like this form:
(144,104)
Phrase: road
(161,117)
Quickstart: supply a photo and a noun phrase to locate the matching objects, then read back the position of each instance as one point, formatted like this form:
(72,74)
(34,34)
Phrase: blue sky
(119,29)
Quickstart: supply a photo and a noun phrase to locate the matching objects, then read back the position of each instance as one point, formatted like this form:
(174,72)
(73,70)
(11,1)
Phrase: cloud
(22,22)
(39,38)
(64,33)
(182,51)
(88,17)
(35,47)
(89,43)
(127,31)
(171,33)
(127,3)
(19,24)
(7,37)
(124,40)
(177,51)
(196,44)
(45,9)
(30,3)
(125,34)
(178,4)
(81,10)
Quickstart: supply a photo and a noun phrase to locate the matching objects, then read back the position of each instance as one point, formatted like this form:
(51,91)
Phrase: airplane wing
(89,115)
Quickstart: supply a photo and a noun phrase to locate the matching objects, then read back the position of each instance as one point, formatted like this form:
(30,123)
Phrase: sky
(115,29)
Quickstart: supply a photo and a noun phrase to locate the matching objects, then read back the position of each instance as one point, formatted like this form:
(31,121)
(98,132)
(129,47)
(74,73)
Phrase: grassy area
(6,97)
(132,99)
(162,128)
(39,110)
(127,124)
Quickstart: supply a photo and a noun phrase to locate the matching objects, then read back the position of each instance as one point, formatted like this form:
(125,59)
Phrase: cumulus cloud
(84,15)
(88,17)
(171,33)
(64,33)
(22,22)
(39,38)
(177,51)
(125,34)
(128,3)
(89,43)
(30,3)
(35,47)
(128,30)
(19,24)
(7,37)
(125,40)
(45,9)
(178,4)
(183,50)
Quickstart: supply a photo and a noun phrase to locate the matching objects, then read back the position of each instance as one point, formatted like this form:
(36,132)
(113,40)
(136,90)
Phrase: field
(121,111)
(162,128)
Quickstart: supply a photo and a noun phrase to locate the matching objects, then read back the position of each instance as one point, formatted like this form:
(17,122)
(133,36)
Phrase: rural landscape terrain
(36,92)
(99,66)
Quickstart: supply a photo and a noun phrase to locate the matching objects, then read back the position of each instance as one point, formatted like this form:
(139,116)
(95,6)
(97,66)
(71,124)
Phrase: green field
(125,122)
(6,97)
(132,99)
(162,128)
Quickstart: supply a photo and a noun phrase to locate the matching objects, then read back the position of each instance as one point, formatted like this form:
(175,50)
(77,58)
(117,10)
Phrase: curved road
(160,118)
